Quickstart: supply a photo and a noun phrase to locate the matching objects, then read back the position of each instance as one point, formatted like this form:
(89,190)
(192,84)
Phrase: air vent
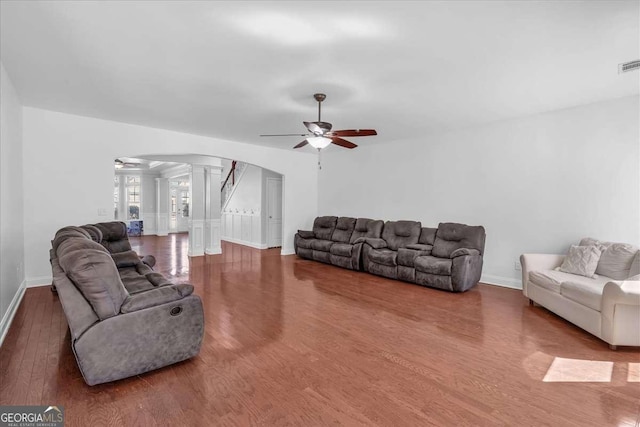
(628,66)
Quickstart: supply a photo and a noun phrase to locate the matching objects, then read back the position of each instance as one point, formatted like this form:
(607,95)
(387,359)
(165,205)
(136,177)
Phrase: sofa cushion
(114,236)
(635,266)
(67,233)
(342,249)
(407,256)
(305,243)
(126,259)
(344,229)
(92,270)
(323,227)
(421,247)
(553,279)
(427,236)
(585,293)
(306,234)
(321,245)
(383,256)
(399,234)
(451,236)
(94,232)
(433,265)
(581,260)
(366,227)
(615,262)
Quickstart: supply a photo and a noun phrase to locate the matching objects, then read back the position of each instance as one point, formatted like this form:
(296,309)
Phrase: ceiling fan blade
(288,134)
(343,142)
(302,144)
(353,132)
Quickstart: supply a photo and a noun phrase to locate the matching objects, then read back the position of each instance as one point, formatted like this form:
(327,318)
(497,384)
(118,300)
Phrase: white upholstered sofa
(605,307)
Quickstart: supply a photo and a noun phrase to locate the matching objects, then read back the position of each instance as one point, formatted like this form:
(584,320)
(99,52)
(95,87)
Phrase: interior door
(274,212)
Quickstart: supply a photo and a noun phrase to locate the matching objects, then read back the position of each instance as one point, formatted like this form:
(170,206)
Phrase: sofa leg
(613,347)
(531,303)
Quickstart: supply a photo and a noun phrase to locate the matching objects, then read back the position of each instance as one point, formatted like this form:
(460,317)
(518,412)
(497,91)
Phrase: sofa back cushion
(616,260)
(366,227)
(67,233)
(399,234)
(323,227)
(94,232)
(427,236)
(451,236)
(92,270)
(114,236)
(344,229)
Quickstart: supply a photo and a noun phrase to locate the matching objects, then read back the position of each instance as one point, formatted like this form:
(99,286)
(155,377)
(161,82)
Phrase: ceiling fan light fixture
(319,141)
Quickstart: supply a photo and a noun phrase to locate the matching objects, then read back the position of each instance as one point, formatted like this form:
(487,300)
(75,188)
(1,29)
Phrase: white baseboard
(287,251)
(245,243)
(505,282)
(214,251)
(35,282)
(11,311)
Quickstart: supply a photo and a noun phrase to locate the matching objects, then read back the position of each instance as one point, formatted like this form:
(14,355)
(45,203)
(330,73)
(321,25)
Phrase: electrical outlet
(517,266)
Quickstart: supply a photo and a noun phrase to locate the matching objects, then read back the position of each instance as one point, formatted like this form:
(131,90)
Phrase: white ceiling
(234,70)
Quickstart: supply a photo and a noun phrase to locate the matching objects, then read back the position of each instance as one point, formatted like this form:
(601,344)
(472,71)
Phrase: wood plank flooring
(295,342)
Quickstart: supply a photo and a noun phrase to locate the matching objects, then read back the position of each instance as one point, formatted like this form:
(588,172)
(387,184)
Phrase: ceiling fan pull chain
(319,165)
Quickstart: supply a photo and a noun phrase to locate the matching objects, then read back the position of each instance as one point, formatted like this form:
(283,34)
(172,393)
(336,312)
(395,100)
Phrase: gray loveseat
(124,318)
(448,257)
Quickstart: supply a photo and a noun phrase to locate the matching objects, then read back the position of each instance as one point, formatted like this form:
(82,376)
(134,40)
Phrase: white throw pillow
(581,260)
(616,260)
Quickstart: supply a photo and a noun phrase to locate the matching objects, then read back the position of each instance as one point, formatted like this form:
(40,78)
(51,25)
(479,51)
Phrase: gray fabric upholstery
(433,265)
(341,261)
(126,259)
(114,236)
(383,256)
(434,280)
(421,247)
(408,274)
(306,234)
(94,273)
(150,329)
(407,256)
(321,256)
(141,341)
(366,227)
(399,234)
(383,270)
(452,236)
(373,242)
(305,252)
(341,249)
(323,227)
(149,260)
(155,297)
(464,251)
(94,232)
(321,245)
(466,272)
(427,236)
(344,229)
(305,243)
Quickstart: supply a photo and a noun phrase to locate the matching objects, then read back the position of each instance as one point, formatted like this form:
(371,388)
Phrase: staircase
(230,182)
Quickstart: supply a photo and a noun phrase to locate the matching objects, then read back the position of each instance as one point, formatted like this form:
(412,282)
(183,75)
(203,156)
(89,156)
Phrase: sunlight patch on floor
(633,374)
(576,370)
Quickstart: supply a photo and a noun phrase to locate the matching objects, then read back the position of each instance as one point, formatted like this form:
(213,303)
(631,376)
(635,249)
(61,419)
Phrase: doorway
(179,202)
(274,212)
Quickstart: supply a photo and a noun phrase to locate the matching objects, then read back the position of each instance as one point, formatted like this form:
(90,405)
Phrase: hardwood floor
(295,342)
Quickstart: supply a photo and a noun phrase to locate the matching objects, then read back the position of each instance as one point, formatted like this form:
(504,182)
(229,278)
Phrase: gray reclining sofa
(448,257)
(124,318)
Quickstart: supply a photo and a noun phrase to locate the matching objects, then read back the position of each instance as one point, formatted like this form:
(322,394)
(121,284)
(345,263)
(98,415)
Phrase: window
(133,197)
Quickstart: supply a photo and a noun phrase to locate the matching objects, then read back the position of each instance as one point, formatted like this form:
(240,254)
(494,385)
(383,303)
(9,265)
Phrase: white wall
(247,196)
(11,201)
(56,196)
(537,184)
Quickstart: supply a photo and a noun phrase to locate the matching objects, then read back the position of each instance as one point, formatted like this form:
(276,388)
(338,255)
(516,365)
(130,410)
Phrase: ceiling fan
(119,163)
(321,135)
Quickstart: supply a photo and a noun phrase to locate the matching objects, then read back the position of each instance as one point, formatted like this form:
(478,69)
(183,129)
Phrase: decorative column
(212,211)
(123,214)
(162,206)
(197,214)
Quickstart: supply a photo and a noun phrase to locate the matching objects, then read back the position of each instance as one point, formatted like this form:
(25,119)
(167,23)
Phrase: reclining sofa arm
(149,260)
(464,251)
(306,234)
(155,297)
(375,243)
